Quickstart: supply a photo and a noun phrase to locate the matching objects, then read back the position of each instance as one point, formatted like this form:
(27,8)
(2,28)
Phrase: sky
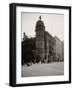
(54,24)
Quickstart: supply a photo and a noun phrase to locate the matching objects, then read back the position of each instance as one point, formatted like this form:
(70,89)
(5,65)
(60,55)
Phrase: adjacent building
(59,49)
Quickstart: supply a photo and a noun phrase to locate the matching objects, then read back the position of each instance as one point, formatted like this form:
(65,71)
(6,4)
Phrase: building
(40,37)
(43,47)
(28,47)
(59,49)
(45,43)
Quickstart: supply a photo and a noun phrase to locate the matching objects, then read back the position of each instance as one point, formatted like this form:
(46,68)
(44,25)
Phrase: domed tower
(40,30)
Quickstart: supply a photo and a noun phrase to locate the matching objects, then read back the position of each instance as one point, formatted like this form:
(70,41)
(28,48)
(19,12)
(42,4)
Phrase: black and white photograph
(42,44)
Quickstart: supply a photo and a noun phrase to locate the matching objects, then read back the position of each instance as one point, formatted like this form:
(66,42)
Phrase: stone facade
(50,46)
(59,49)
(40,31)
(45,43)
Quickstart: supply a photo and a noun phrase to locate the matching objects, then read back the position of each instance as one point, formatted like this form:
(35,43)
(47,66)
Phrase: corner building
(40,32)
(45,43)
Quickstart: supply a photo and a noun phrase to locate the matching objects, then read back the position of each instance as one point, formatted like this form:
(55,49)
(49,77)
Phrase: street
(46,69)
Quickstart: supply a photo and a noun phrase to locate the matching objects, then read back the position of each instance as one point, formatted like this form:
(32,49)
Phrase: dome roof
(40,22)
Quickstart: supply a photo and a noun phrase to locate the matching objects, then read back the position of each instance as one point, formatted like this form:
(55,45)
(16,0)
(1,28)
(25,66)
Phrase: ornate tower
(40,31)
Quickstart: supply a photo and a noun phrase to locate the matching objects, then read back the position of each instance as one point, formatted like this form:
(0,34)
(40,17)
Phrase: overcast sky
(54,24)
